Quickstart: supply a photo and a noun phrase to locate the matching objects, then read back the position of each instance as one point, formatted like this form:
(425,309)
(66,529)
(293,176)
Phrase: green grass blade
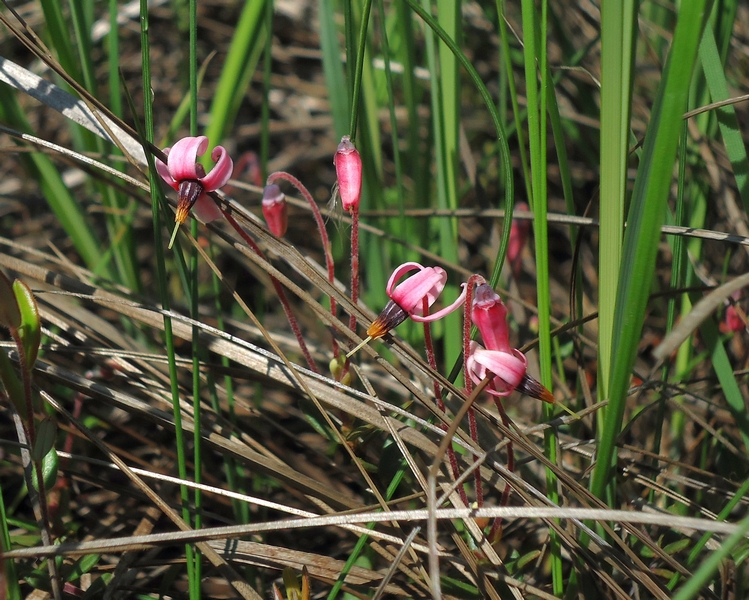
(704,574)
(646,216)
(712,67)
(331,62)
(41,169)
(535,62)
(618,28)
(244,51)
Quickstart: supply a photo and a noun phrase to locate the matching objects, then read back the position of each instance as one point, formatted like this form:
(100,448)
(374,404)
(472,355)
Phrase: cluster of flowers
(188,178)
(506,365)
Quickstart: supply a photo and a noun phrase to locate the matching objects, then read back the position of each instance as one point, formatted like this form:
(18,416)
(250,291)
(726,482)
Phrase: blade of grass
(67,210)
(646,216)
(712,67)
(244,52)
(703,575)
(332,68)
(618,30)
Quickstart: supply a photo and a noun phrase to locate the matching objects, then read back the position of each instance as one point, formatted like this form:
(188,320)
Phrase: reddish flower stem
(279,290)
(473,281)
(354,263)
(438,397)
(272,178)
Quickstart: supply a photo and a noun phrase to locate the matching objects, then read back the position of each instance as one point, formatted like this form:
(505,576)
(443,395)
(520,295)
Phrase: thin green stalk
(113,59)
(195,574)
(402,222)
(535,65)
(334,72)
(522,144)
(238,67)
(677,282)
(265,108)
(355,100)
(122,245)
(154,181)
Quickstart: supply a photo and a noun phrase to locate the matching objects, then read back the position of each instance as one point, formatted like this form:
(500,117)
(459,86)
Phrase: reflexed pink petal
(440,313)
(348,167)
(163,170)
(206,210)
(509,369)
(183,157)
(400,272)
(221,172)
(428,282)
(489,314)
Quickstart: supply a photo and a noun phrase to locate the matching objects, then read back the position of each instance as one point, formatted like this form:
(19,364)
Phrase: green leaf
(50,462)
(30,330)
(46,434)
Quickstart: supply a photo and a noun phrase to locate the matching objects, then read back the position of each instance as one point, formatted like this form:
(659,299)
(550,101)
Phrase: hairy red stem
(272,178)
(279,290)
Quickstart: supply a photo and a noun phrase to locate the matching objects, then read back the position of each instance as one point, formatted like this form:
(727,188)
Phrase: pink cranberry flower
(348,168)
(188,177)
(275,210)
(406,299)
(507,364)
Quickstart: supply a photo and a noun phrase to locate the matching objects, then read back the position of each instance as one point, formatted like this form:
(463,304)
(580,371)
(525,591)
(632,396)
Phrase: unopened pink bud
(348,169)
(275,211)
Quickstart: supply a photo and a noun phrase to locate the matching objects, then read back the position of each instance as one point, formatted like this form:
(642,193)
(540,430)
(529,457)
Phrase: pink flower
(509,368)
(508,365)
(406,299)
(348,169)
(275,210)
(489,314)
(183,173)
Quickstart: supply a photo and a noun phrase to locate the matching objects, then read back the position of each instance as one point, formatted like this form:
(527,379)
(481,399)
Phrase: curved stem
(472,426)
(279,290)
(272,178)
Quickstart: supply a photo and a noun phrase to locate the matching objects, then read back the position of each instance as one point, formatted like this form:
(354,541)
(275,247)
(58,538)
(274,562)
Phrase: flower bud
(348,168)
(275,211)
